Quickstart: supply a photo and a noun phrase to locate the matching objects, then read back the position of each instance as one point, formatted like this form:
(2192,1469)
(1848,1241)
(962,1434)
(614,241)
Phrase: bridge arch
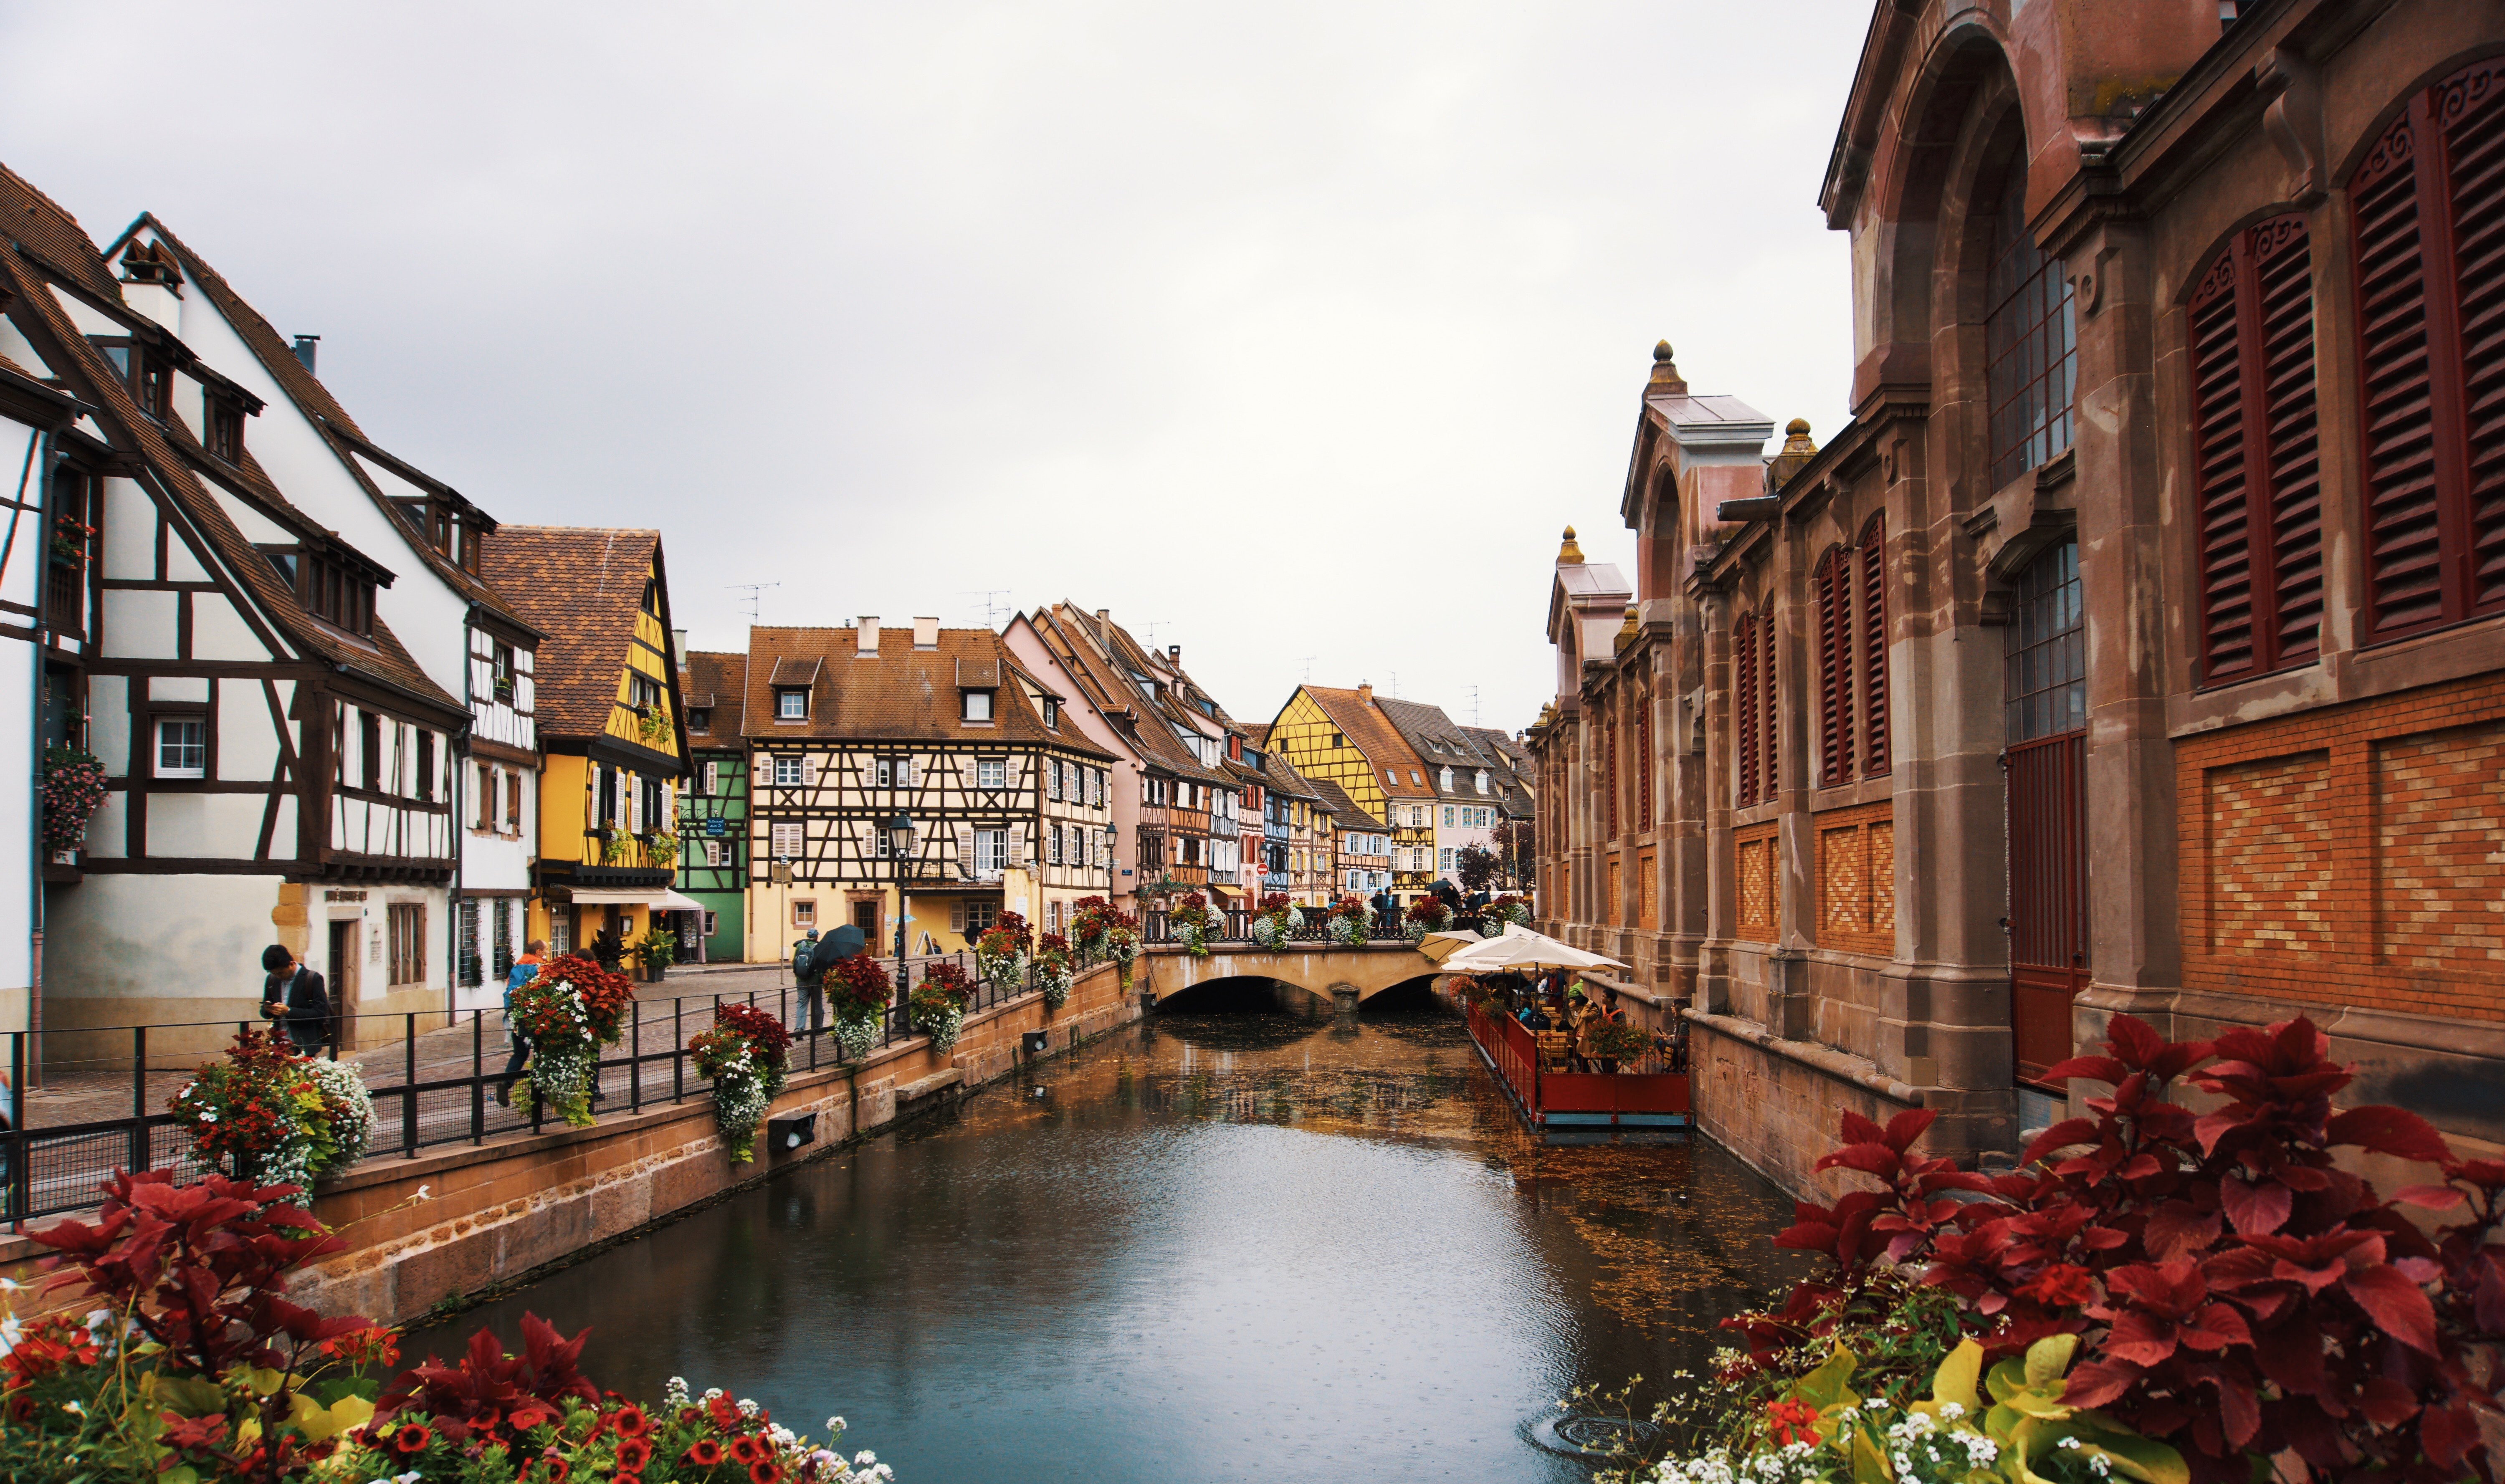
(1326,972)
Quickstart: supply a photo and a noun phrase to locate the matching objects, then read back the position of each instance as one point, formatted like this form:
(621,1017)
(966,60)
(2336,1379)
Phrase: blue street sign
(713,827)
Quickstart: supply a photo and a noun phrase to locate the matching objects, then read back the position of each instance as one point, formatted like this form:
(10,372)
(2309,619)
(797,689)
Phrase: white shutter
(1017,845)
(808,770)
(965,851)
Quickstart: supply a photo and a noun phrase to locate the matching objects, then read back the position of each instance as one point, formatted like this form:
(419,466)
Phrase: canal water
(1240,1244)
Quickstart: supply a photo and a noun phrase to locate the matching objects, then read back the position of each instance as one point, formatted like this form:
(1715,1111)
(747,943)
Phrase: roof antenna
(756,598)
(1474,705)
(991,610)
(1309,668)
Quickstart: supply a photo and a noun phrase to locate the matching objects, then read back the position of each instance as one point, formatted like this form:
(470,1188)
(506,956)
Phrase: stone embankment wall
(494,1213)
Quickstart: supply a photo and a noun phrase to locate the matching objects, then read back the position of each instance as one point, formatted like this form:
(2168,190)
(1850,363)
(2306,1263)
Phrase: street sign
(713,827)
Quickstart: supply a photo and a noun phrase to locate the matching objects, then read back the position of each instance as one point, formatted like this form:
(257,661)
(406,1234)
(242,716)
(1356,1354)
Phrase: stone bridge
(1342,976)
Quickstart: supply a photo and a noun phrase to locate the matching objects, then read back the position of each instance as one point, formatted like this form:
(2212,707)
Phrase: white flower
(1876,1404)
(2068,1442)
(410,1477)
(865,1457)
(421,1192)
(1951,1409)
(207,1117)
(835,1425)
(711,1391)
(2098,1465)
(11,1331)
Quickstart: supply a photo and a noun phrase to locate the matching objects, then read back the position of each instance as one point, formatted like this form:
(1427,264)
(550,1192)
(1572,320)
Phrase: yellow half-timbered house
(611,741)
(1344,738)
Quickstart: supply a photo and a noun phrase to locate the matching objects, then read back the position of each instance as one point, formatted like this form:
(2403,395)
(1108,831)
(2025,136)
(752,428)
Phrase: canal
(1228,1242)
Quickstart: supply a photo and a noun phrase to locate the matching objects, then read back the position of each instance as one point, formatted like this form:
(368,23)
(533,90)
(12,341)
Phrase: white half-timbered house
(280,760)
(469,641)
(849,728)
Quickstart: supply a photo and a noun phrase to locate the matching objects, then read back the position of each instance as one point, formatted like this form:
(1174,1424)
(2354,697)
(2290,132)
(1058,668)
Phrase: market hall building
(2138,646)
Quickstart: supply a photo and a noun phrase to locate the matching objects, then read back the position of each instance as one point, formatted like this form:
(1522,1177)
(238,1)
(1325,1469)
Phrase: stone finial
(1797,452)
(1665,372)
(1570,553)
(1627,631)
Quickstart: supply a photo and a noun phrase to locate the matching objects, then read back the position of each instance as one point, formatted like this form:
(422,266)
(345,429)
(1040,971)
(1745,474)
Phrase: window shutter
(1834,671)
(956,915)
(1769,769)
(2289,444)
(1744,704)
(1017,845)
(1874,645)
(2401,257)
(808,770)
(2219,463)
(2475,151)
(965,851)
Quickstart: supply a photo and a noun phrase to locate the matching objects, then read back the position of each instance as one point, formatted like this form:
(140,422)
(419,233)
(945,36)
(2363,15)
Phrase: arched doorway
(2045,691)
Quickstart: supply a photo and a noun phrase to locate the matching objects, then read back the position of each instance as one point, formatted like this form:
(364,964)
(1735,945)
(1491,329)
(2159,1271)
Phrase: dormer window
(644,691)
(328,588)
(224,425)
(1444,782)
(1052,715)
(699,718)
(150,379)
(975,705)
(1482,780)
(791,705)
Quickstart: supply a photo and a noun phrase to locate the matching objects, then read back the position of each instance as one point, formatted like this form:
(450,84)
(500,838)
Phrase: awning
(662,899)
(1223,893)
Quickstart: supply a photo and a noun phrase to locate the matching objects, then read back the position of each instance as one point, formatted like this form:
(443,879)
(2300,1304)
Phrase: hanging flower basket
(939,1005)
(1505,910)
(1001,953)
(1349,920)
(568,1011)
(1277,919)
(269,1114)
(1052,972)
(859,991)
(1091,919)
(1427,914)
(1122,945)
(73,789)
(1192,924)
(744,1055)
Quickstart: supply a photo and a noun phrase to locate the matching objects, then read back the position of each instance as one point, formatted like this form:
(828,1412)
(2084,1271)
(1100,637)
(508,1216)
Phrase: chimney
(926,633)
(678,648)
(1365,691)
(1173,656)
(869,635)
(305,347)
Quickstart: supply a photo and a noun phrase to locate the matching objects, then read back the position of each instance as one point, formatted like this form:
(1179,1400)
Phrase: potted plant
(743,1052)
(657,950)
(73,789)
(268,1114)
(664,850)
(938,1004)
(1001,952)
(1053,975)
(1090,918)
(1192,924)
(1279,917)
(859,991)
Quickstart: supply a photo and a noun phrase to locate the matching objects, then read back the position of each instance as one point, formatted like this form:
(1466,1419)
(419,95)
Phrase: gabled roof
(906,693)
(56,243)
(1285,780)
(1344,811)
(582,586)
(1370,732)
(1102,660)
(315,402)
(714,684)
(1440,744)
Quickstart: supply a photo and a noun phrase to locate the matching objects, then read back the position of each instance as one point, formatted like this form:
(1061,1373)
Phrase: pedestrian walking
(525,968)
(295,996)
(1386,909)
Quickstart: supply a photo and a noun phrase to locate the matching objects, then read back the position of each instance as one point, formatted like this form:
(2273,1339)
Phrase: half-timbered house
(280,760)
(713,809)
(1462,777)
(1361,857)
(1345,737)
(458,629)
(612,739)
(865,739)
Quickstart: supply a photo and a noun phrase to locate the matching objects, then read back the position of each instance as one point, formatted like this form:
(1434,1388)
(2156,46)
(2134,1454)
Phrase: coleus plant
(2235,1290)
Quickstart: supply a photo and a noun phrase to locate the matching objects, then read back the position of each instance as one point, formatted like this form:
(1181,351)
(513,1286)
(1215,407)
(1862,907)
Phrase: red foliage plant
(488,1393)
(945,976)
(1275,901)
(1430,910)
(1052,942)
(605,995)
(2237,1292)
(1007,933)
(861,982)
(762,1029)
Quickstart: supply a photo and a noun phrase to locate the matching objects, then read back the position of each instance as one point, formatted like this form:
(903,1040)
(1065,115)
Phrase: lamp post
(899,839)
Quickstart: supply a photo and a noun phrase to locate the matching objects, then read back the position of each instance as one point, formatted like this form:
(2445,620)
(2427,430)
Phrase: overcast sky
(1293,332)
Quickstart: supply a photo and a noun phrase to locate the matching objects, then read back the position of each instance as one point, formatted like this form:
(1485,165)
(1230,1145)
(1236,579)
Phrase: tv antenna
(1396,685)
(1309,668)
(756,598)
(991,610)
(1474,705)
(1151,627)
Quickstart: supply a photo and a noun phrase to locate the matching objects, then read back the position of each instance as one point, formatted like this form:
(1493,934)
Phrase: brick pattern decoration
(1856,879)
(2270,843)
(2440,836)
(2400,909)
(1647,893)
(1760,910)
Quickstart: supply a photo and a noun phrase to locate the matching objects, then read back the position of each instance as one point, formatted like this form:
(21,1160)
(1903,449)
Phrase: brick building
(2140,644)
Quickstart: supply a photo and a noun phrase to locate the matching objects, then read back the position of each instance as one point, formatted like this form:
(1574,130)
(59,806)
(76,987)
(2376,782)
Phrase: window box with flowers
(73,789)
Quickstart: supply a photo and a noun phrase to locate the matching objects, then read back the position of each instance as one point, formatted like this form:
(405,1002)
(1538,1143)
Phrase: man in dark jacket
(295,997)
(1386,909)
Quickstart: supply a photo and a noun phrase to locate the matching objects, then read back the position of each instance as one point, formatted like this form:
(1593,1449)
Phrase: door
(2045,685)
(341,973)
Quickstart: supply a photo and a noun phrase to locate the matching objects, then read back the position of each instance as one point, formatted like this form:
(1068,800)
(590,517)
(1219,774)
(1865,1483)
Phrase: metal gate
(2045,690)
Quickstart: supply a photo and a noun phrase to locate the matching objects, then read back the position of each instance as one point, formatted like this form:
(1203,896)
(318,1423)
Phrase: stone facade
(2140,644)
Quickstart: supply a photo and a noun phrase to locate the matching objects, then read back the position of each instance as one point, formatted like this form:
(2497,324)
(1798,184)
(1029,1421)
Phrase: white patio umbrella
(1439,946)
(1520,950)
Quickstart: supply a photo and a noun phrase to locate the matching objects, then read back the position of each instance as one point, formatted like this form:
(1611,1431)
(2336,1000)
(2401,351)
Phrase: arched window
(2257,468)
(2030,348)
(2428,210)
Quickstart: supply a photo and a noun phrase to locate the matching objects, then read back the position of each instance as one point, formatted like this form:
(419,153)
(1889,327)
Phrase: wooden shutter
(1770,709)
(1834,670)
(965,851)
(1744,704)
(2256,464)
(1874,646)
(808,770)
(2427,208)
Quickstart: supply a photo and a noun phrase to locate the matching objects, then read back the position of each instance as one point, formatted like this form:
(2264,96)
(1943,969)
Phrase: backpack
(801,952)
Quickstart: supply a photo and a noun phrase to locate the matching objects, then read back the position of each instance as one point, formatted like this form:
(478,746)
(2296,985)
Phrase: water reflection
(1218,1246)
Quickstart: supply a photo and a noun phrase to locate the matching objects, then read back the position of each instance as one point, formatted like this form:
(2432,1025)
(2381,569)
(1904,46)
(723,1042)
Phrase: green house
(713,810)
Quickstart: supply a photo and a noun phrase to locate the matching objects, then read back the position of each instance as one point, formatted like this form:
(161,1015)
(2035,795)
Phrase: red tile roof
(904,694)
(582,586)
(716,683)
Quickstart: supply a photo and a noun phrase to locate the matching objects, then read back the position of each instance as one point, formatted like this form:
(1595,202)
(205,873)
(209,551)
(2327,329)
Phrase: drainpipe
(39,454)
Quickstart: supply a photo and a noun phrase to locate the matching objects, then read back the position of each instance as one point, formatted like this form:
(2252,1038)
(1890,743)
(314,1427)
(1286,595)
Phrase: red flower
(528,1415)
(630,1421)
(556,1469)
(412,1437)
(625,1476)
(689,1416)
(747,1450)
(1791,1421)
(765,1471)
(634,1453)
(704,1453)
(726,1412)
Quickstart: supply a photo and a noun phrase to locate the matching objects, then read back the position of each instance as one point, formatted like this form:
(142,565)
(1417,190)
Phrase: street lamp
(899,839)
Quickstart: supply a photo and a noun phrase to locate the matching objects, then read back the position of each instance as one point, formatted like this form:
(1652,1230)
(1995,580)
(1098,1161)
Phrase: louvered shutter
(2287,510)
(1744,704)
(1017,845)
(1874,645)
(2221,498)
(1769,736)
(2472,106)
(808,770)
(2403,589)
(965,851)
(1834,671)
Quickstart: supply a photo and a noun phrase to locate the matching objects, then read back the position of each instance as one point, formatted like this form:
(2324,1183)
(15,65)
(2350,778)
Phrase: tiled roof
(93,379)
(1103,669)
(1284,779)
(40,225)
(713,683)
(1440,744)
(1372,732)
(1344,809)
(904,694)
(278,358)
(580,586)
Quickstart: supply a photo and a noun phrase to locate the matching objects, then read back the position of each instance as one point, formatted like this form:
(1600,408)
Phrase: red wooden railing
(1514,1055)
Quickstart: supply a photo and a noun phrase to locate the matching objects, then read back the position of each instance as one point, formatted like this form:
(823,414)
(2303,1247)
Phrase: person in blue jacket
(525,968)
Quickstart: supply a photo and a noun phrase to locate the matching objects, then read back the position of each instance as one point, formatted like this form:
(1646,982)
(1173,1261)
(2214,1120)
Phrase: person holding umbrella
(842,943)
